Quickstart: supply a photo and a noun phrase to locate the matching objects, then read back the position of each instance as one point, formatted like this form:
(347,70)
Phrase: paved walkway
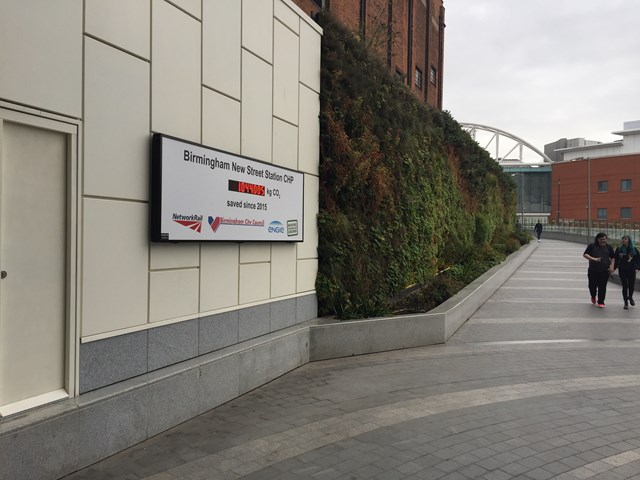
(538,384)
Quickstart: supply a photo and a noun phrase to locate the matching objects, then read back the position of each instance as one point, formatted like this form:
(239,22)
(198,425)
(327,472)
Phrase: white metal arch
(520,144)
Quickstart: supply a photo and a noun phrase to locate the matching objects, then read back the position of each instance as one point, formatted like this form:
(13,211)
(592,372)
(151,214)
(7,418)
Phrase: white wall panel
(285,144)
(191,6)
(115,265)
(116,131)
(123,23)
(307,272)
(175,72)
(41,54)
(285,73)
(309,56)
(286,15)
(309,132)
(219,270)
(283,269)
(257,27)
(173,294)
(309,248)
(220,121)
(222,45)
(256,107)
(254,282)
(255,252)
(179,255)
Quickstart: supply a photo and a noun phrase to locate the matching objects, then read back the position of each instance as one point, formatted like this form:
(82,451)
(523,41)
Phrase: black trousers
(598,284)
(628,279)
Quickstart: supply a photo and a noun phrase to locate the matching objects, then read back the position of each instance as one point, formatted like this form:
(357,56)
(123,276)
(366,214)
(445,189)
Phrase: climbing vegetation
(407,197)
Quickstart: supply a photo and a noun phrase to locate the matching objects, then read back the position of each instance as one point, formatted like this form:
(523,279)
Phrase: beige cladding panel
(115,265)
(285,73)
(219,272)
(283,269)
(174,255)
(41,54)
(175,72)
(257,107)
(116,132)
(310,57)
(307,271)
(285,144)
(222,46)
(220,121)
(286,15)
(309,133)
(255,252)
(309,248)
(254,282)
(190,6)
(172,294)
(257,28)
(123,23)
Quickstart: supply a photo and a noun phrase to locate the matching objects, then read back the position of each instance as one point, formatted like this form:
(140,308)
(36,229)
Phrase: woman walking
(627,262)
(600,256)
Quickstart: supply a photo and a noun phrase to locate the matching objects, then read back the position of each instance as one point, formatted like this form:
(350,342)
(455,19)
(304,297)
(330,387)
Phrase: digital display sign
(202,194)
(244,187)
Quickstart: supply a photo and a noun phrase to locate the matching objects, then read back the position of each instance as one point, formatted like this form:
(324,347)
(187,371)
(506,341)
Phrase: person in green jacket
(627,262)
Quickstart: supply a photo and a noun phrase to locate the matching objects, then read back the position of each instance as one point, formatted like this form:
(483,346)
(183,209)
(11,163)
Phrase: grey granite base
(115,359)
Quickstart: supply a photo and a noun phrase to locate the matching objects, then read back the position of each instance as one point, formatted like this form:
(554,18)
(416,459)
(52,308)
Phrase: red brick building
(615,189)
(408,35)
(602,176)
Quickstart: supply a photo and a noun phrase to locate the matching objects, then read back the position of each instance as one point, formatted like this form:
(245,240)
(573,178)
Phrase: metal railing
(614,229)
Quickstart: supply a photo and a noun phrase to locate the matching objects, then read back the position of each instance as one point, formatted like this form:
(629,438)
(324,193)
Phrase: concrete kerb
(357,337)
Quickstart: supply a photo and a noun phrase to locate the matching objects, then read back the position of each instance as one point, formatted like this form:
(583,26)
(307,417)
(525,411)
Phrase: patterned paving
(538,384)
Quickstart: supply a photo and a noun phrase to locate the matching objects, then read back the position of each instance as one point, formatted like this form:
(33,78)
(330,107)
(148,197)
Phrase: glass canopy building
(533,183)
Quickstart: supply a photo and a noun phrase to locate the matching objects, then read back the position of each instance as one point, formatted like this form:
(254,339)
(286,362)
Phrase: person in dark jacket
(600,256)
(627,262)
(538,230)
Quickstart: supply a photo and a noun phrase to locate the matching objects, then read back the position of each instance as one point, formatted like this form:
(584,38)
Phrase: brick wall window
(625,213)
(625,185)
(418,78)
(603,186)
(602,214)
(433,75)
(317,2)
(399,75)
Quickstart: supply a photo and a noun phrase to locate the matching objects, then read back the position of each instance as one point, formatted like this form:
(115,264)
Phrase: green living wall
(404,192)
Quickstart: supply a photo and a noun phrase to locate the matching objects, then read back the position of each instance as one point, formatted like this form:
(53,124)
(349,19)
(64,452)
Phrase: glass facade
(533,203)
(537,192)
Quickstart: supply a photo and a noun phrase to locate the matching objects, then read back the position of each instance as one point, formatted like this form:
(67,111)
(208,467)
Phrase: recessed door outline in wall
(37,232)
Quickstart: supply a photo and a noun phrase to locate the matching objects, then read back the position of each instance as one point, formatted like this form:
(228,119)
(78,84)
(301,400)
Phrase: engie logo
(194,222)
(276,227)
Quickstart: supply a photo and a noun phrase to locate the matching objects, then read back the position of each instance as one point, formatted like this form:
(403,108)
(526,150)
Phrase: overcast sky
(544,69)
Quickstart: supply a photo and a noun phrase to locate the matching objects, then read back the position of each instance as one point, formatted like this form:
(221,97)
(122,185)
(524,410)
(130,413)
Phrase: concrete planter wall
(343,339)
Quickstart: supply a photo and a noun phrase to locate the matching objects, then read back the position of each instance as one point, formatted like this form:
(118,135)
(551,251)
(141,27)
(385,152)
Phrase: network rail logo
(193,222)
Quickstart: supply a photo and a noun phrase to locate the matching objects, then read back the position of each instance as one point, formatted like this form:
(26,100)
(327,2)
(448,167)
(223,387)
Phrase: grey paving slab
(538,384)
